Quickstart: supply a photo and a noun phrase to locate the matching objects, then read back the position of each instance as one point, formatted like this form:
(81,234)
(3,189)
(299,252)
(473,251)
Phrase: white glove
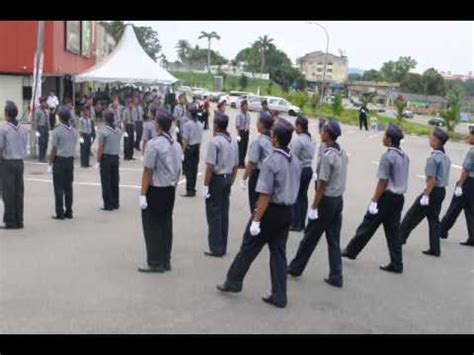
(205,192)
(142,202)
(373,208)
(177,130)
(315,176)
(37,134)
(243,184)
(50,169)
(182,157)
(313,214)
(458,191)
(255,228)
(424,200)
(81,140)
(97,166)
(125,134)
(239,138)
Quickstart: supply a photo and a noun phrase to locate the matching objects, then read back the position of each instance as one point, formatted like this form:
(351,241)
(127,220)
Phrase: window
(73,36)
(329,70)
(320,70)
(329,63)
(282,103)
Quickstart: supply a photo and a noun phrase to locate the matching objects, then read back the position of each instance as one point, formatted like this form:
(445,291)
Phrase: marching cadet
(242,123)
(387,203)
(117,109)
(325,215)
(73,120)
(278,187)
(321,149)
(428,204)
(303,147)
(13,142)
(127,119)
(265,106)
(108,162)
(192,138)
(221,105)
(61,163)
(463,197)
(139,113)
(222,161)
(85,140)
(259,149)
(179,115)
(162,168)
(42,128)
(149,127)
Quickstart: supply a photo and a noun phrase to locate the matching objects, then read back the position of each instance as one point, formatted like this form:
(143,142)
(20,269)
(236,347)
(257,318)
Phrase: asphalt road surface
(80,276)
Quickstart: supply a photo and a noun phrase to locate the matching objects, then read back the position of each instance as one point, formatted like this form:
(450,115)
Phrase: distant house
(311,65)
(386,92)
(423,103)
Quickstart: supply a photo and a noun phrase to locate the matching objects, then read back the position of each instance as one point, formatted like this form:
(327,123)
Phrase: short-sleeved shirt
(117,114)
(64,140)
(73,120)
(163,155)
(138,115)
(242,120)
(222,154)
(127,115)
(303,148)
(332,168)
(85,125)
(110,138)
(279,177)
(438,165)
(42,118)
(468,163)
(149,130)
(13,141)
(393,167)
(180,113)
(192,132)
(259,149)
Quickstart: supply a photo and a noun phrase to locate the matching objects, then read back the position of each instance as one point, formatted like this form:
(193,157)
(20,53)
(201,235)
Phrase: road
(80,276)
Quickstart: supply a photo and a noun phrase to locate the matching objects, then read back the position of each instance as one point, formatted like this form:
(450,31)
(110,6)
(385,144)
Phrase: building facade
(311,65)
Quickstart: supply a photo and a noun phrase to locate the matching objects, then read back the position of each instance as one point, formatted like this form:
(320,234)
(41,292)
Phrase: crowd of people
(277,174)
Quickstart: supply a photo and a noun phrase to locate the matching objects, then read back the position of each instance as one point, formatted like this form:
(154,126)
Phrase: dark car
(438,122)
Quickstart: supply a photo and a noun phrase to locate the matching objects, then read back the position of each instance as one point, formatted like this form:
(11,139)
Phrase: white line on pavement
(78,167)
(82,183)
(375,162)
(421,176)
(456,166)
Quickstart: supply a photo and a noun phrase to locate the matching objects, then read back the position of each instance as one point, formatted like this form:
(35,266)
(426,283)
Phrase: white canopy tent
(127,64)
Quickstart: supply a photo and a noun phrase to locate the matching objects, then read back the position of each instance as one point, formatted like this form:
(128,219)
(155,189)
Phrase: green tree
(354,77)
(270,88)
(455,101)
(371,75)
(400,105)
(314,102)
(367,97)
(209,36)
(243,81)
(263,44)
(433,82)
(299,99)
(396,71)
(184,49)
(412,83)
(337,107)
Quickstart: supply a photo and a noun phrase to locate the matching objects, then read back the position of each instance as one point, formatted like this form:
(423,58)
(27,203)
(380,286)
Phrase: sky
(446,46)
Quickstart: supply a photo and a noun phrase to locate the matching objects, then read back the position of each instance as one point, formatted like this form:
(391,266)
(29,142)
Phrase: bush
(299,98)
(243,82)
(337,107)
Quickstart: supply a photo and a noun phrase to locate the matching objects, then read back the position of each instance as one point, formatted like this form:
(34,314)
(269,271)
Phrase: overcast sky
(446,46)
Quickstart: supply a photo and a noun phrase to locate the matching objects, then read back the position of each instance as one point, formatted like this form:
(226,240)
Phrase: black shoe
(429,252)
(333,283)
(292,273)
(68,216)
(294,229)
(106,209)
(148,268)
(468,243)
(345,254)
(167,267)
(226,288)
(59,218)
(270,300)
(188,195)
(208,253)
(443,236)
(391,268)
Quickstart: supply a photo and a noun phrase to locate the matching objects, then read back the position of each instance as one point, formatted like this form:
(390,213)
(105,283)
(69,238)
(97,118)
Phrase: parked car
(247,97)
(255,103)
(283,106)
(408,114)
(438,122)
(234,96)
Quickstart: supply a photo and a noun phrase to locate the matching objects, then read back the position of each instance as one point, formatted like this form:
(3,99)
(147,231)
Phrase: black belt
(278,205)
(110,155)
(63,158)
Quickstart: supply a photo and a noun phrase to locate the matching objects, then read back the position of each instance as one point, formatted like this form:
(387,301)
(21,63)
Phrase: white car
(234,96)
(248,97)
(255,103)
(283,106)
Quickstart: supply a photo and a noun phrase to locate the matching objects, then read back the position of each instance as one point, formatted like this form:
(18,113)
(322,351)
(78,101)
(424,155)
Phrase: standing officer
(363,115)
(13,142)
(127,119)
(387,204)
(139,112)
(61,163)
(259,149)
(108,160)
(192,138)
(85,140)
(221,105)
(162,168)
(179,115)
(222,161)
(278,187)
(265,106)
(42,127)
(463,197)
(303,147)
(117,109)
(53,103)
(325,215)
(149,127)
(73,120)
(428,204)
(242,123)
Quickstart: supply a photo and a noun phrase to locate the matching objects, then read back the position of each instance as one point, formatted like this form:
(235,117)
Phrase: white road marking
(421,176)
(375,162)
(182,181)
(82,183)
(78,167)
(372,136)
(456,166)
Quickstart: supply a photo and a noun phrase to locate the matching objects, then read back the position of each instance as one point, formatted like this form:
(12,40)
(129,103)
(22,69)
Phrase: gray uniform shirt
(85,125)
(468,163)
(259,149)
(243,121)
(180,113)
(192,132)
(303,148)
(110,138)
(222,154)
(393,167)
(280,177)
(149,130)
(64,139)
(438,165)
(42,118)
(127,115)
(333,169)
(163,155)
(117,114)
(138,114)
(13,141)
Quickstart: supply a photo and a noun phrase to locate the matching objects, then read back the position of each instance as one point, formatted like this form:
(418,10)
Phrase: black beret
(333,128)
(283,126)
(162,113)
(302,121)
(64,113)
(441,135)
(394,131)
(221,117)
(243,102)
(11,109)
(192,108)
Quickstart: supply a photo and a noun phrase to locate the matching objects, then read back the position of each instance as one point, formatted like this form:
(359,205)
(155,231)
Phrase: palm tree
(263,43)
(183,47)
(163,60)
(209,36)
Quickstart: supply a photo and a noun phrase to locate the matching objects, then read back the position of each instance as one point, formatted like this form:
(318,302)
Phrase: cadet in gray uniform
(13,142)
(162,168)
(463,198)
(108,159)
(303,147)
(179,115)
(61,163)
(278,186)
(128,122)
(85,131)
(192,138)
(242,123)
(42,127)
(117,109)
(325,215)
(149,127)
(428,204)
(387,203)
(139,113)
(321,149)
(73,121)
(222,161)
(259,149)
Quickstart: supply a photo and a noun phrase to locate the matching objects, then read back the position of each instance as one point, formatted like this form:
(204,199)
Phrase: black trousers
(13,190)
(417,212)
(157,221)
(43,142)
(329,222)
(390,208)
(464,202)
(243,145)
(191,163)
(300,208)
(109,178)
(86,150)
(217,213)
(205,116)
(128,142)
(52,120)
(253,195)
(275,226)
(139,130)
(363,122)
(63,177)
